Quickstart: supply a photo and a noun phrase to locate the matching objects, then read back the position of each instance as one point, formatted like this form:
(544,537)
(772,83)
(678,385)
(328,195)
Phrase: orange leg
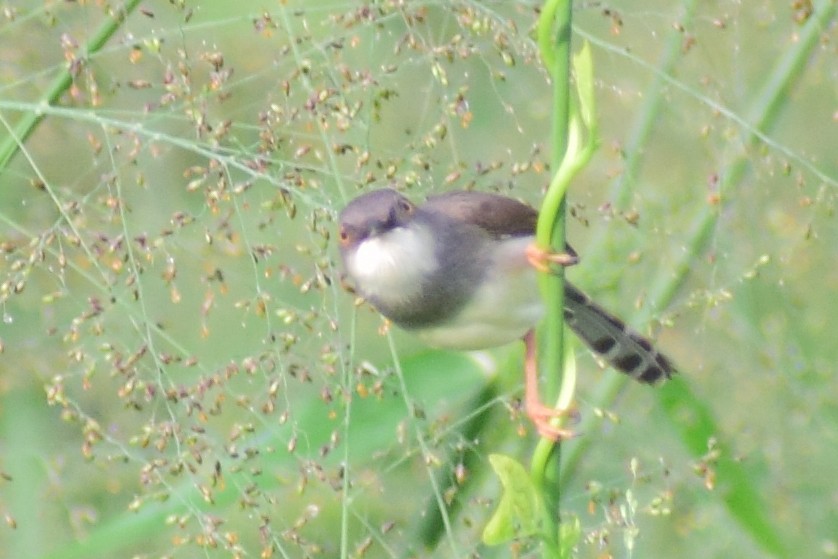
(541,415)
(540,259)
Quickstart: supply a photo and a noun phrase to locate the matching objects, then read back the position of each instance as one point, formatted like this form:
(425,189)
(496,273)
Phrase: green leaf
(570,532)
(583,70)
(521,511)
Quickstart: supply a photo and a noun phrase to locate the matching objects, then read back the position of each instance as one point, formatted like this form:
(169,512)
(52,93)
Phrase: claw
(543,418)
(540,258)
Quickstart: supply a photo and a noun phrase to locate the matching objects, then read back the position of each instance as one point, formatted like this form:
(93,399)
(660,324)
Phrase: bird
(460,272)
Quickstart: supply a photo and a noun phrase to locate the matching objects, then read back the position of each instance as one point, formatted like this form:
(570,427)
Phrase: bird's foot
(546,418)
(541,259)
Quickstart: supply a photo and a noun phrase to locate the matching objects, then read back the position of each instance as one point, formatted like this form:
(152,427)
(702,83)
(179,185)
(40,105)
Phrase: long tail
(623,348)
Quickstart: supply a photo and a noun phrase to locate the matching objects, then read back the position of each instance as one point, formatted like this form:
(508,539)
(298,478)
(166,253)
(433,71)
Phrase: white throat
(391,266)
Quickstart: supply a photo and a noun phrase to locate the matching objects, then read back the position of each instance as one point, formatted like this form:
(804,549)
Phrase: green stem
(27,124)
(554,40)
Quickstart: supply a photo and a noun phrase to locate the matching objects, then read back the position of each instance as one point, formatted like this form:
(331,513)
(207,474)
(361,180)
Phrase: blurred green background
(183,375)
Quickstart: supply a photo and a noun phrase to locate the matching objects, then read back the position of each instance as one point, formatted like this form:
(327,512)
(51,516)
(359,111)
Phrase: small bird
(459,271)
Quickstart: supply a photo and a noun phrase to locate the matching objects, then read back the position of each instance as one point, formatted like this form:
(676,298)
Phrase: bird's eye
(405,206)
(344,235)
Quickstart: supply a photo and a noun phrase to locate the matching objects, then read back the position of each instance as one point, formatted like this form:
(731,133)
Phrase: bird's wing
(496,214)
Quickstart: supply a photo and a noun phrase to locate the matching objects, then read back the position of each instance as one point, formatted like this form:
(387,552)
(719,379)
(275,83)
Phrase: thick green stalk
(554,39)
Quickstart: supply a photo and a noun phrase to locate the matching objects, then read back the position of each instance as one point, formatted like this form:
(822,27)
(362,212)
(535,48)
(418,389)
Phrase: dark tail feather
(623,348)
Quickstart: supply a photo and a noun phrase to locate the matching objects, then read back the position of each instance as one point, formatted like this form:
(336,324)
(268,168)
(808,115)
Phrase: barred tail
(623,348)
